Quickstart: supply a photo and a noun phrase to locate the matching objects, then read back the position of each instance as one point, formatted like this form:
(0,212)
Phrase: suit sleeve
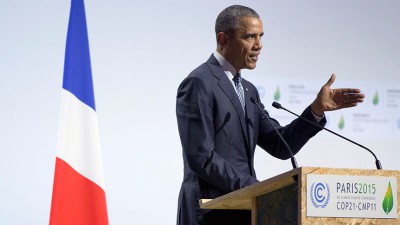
(194,110)
(296,134)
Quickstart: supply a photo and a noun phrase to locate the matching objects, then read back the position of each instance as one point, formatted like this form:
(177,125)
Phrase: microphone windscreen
(227,117)
(276,105)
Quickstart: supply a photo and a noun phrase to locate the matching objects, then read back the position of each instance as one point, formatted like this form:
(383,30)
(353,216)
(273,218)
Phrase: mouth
(254,57)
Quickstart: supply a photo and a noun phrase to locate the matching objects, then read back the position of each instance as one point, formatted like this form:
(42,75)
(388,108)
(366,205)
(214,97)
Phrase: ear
(222,39)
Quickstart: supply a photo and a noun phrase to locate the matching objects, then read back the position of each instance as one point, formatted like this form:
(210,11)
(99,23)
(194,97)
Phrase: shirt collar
(226,66)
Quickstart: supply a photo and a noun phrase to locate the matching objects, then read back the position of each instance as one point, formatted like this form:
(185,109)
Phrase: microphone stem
(292,158)
(377,162)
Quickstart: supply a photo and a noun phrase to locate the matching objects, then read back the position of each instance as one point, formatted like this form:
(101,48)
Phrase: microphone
(279,106)
(226,120)
(292,158)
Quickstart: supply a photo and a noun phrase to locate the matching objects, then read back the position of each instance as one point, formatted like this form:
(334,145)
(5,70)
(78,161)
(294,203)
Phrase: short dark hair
(228,20)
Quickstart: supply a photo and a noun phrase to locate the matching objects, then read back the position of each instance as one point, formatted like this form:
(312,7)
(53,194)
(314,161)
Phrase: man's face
(243,48)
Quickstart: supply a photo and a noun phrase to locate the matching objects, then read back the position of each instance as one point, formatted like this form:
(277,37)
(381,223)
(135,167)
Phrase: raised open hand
(333,99)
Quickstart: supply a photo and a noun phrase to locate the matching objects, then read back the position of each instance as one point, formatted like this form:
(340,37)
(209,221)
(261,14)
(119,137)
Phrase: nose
(258,43)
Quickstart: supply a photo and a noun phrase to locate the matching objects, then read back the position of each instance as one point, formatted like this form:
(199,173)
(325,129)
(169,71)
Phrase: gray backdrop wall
(140,52)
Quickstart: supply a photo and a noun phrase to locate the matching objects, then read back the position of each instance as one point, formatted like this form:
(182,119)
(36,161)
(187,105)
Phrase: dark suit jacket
(219,139)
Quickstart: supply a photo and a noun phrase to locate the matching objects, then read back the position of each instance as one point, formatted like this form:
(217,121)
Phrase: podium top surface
(244,198)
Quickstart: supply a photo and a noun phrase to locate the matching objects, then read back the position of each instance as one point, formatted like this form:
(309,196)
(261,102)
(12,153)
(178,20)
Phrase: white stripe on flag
(78,140)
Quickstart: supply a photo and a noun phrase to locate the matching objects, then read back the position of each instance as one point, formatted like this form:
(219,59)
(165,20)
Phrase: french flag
(78,190)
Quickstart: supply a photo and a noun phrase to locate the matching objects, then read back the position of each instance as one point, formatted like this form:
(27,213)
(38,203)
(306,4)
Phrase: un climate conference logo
(320,195)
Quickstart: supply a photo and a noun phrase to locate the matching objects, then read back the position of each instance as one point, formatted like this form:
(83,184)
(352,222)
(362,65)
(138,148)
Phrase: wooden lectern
(282,199)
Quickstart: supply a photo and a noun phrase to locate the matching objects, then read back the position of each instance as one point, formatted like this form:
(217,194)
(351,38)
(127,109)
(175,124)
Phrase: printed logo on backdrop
(375,99)
(341,123)
(320,195)
(277,94)
(261,91)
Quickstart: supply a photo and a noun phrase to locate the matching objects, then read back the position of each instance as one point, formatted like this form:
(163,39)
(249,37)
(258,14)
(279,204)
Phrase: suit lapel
(250,113)
(225,84)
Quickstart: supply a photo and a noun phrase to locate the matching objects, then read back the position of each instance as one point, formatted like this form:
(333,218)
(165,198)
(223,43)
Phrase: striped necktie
(239,89)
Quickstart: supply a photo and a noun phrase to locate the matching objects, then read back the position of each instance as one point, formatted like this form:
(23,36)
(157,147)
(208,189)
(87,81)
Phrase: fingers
(353,100)
(331,80)
(354,96)
(346,99)
(348,90)
(349,100)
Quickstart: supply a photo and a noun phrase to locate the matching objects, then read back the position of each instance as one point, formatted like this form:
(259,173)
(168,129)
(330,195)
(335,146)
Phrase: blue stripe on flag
(77,69)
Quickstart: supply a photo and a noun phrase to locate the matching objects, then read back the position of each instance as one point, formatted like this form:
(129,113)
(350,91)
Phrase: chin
(250,67)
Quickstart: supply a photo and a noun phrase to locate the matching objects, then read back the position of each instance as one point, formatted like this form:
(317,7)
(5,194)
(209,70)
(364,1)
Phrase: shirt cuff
(317,118)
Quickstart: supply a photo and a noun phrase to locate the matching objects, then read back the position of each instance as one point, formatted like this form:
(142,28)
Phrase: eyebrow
(252,34)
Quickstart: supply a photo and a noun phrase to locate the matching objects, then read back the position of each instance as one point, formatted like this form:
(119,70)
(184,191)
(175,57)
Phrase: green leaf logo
(341,123)
(277,94)
(387,203)
(375,100)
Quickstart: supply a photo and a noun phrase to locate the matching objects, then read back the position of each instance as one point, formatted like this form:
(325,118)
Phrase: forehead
(251,24)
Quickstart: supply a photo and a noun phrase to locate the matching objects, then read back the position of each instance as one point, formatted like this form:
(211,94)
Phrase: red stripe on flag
(76,199)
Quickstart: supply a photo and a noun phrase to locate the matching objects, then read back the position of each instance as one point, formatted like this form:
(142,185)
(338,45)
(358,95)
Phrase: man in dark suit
(220,127)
